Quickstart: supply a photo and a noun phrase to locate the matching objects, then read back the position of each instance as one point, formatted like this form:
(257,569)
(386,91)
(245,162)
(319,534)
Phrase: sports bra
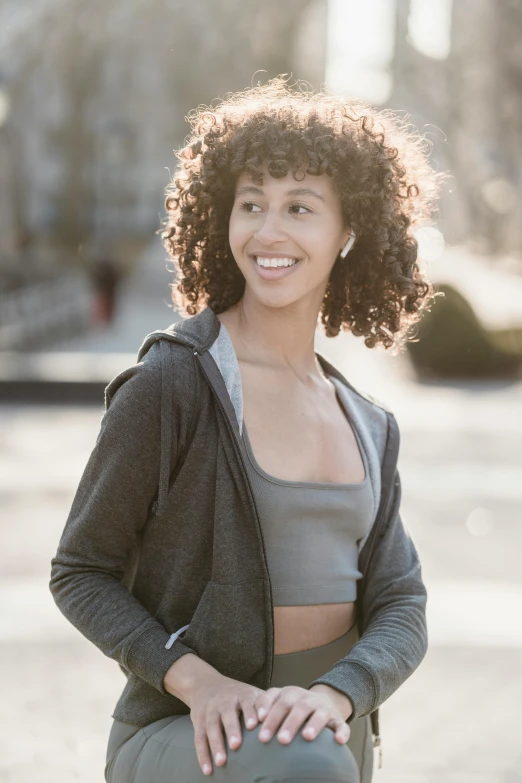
(311,530)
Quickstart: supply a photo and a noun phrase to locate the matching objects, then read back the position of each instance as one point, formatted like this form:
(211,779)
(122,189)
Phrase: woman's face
(286,220)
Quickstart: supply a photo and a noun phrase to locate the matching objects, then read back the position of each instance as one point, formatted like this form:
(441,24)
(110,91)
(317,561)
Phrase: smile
(275,262)
(274,268)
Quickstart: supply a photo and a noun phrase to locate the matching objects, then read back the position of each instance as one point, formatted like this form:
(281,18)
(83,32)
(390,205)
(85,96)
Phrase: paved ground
(456,720)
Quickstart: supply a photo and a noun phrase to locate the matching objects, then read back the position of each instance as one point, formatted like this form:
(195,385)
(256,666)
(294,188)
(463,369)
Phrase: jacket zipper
(252,498)
(378,524)
(382,517)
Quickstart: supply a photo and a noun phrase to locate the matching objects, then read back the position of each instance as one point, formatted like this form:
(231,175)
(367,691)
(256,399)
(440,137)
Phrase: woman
(235,542)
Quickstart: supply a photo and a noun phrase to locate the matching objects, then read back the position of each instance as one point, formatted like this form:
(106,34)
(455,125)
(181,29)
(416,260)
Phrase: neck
(280,339)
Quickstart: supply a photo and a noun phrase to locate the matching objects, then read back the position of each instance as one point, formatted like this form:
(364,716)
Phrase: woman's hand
(215,703)
(287,708)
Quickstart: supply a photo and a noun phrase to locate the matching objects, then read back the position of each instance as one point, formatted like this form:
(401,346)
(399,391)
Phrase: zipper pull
(377,744)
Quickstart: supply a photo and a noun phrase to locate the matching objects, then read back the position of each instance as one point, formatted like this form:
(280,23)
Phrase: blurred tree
(452,343)
(474,96)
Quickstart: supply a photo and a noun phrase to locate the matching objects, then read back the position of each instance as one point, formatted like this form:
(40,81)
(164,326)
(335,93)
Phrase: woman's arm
(394,639)
(110,508)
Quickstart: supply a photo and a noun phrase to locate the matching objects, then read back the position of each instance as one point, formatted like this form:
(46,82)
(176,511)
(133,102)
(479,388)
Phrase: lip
(275,272)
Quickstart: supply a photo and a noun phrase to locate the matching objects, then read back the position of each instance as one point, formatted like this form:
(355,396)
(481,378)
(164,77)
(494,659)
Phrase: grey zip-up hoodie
(163,554)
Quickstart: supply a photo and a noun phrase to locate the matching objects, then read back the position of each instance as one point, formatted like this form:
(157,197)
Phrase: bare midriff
(298,628)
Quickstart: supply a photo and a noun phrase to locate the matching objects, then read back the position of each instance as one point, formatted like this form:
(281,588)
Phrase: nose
(270,230)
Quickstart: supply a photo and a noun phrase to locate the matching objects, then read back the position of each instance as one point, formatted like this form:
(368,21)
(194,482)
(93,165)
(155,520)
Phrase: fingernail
(233,741)
(285,735)
(261,712)
(219,758)
(310,732)
(251,722)
(265,734)
(206,769)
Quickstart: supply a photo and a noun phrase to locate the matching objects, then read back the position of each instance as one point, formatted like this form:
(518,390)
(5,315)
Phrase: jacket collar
(198,331)
(201,330)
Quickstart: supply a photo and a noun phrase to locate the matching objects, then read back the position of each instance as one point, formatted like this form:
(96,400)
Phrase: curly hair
(378,165)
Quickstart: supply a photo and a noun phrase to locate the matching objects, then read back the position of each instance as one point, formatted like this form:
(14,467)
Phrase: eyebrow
(293,192)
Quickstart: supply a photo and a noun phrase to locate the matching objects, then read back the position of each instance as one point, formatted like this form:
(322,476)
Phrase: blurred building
(469,97)
(93,100)
(98,95)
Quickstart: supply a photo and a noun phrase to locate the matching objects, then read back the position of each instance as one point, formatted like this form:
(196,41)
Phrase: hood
(198,332)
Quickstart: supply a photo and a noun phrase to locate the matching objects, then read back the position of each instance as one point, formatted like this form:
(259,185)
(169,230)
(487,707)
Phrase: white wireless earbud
(348,246)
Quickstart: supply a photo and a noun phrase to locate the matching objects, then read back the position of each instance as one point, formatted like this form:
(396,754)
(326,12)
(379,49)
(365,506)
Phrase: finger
(232,726)
(265,700)
(319,719)
(278,712)
(249,714)
(289,727)
(342,731)
(202,750)
(214,731)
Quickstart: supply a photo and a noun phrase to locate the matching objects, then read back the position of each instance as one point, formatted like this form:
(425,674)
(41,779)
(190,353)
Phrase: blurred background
(93,98)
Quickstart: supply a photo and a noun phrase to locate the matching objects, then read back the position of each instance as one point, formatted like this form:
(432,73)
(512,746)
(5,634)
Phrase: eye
(300,206)
(245,206)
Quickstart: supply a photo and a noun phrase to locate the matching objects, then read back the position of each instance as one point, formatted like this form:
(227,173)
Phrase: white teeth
(274,262)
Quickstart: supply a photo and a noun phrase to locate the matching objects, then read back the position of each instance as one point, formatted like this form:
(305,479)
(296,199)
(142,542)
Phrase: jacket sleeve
(110,508)
(393,605)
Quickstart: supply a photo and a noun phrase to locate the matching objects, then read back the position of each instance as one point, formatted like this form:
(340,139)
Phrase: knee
(321,759)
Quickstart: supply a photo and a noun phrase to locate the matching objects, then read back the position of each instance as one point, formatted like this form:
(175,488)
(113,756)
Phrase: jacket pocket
(228,628)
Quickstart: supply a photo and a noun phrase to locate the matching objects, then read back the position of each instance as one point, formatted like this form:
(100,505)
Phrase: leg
(361,745)
(164,752)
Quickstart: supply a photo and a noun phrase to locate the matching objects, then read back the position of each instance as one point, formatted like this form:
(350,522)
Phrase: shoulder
(162,364)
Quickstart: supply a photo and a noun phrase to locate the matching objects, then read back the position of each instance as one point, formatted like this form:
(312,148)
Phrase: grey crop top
(311,529)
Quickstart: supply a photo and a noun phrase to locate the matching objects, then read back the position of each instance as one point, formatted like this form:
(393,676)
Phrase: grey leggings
(164,752)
